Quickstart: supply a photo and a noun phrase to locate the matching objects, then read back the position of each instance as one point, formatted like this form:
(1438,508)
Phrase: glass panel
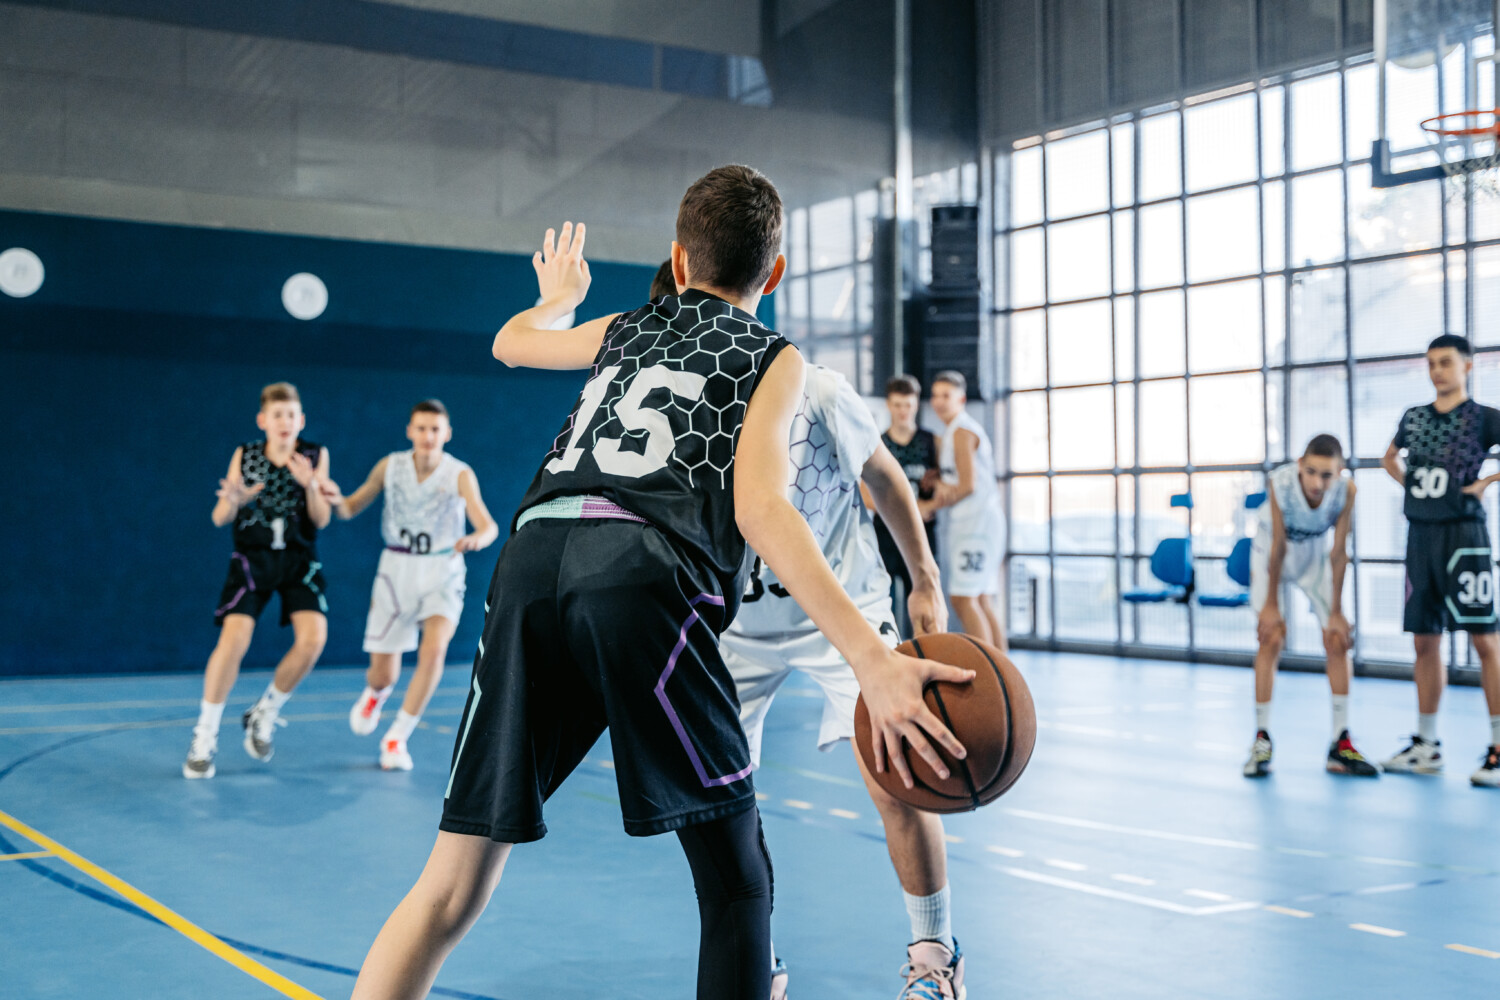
(831,227)
(1124,250)
(1320,405)
(1224,326)
(1161,165)
(1317,218)
(1221,235)
(1382,392)
(1161,245)
(1027,276)
(1077,175)
(1079,343)
(1161,334)
(795,302)
(1318,315)
(1397,305)
(1028,432)
(1001,263)
(1163,437)
(840,353)
(865,384)
(1228,419)
(1458,263)
(1089,611)
(1125,423)
(1411,95)
(833,302)
(1125,497)
(1026,186)
(1272,135)
(1276,444)
(864,297)
(1273,218)
(1123,156)
(1382,600)
(1080,428)
(1219,515)
(1220,143)
(1391,220)
(1030,597)
(1359,110)
(1083,514)
(1078,259)
(866,211)
(1275,298)
(1485,278)
(1159,519)
(796,242)
(1028,350)
(1316,131)
(1379,523)
(1028,514)
(1125,338)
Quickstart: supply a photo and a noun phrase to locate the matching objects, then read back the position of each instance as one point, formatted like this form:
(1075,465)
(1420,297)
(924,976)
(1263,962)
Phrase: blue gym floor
(1132,860)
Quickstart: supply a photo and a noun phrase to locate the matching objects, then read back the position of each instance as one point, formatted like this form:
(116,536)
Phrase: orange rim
(1445,124)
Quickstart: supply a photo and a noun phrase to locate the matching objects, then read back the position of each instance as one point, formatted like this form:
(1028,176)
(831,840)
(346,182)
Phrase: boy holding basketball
(835,449)
(622,568)
(272,494)
(420,582)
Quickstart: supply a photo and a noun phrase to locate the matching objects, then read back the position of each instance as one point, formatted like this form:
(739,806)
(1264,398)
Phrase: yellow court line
(180,924)
(1467,950)
(25,856)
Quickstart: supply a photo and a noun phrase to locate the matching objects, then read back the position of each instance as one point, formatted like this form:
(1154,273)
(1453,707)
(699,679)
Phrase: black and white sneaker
(1488,775)
(1344,759)
(1259,764)
(1418,757)
(200,756)
(260,731)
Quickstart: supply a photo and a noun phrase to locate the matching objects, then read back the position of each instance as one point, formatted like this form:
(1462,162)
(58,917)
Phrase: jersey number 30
(633,415)
(1429,484)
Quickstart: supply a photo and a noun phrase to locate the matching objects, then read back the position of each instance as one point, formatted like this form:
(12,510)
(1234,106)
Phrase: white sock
(931,919)
(1263,716)
(1427,726)
(1495,730)
(1340,714)
(403,727)
(209,715)
(274,698)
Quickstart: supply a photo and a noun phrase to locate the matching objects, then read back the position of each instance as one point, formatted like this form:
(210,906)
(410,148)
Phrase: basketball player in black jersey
(623,565)
(273,495)
(1450,566)
(917,452)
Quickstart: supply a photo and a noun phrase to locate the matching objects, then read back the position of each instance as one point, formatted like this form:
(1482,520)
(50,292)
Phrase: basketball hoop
(1468,149)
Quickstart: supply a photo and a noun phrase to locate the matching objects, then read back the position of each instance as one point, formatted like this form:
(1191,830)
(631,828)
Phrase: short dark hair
(279,392)
(1453,340)
(665,282)
(1325,446)
(729,223)
(430,406)
(953,378)
(903,385)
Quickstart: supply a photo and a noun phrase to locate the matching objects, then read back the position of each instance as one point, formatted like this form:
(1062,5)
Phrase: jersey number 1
(633,415)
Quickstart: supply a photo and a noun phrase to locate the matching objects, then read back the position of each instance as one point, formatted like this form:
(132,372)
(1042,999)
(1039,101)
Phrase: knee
(1427,645)
(310,642)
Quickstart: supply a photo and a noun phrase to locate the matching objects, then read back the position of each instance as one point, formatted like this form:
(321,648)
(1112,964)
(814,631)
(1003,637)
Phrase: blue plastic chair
(1238,567)
(1172,564)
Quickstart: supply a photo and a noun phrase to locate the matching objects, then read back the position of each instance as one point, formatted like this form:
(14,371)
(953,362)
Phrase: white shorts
(408,590)
(1306,566)
(761,664)
(971,556)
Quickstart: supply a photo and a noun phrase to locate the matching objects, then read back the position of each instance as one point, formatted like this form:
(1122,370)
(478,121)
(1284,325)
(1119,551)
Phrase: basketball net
(1467,144)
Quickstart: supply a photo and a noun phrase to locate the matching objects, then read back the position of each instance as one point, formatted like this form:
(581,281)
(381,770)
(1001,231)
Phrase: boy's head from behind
(663,283)
(280,413)
(729,232)
(429,429)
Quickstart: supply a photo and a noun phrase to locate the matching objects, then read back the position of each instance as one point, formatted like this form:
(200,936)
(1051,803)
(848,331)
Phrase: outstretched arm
(485,529)
(526,340)
(886,485)
(891,683)
(349,506)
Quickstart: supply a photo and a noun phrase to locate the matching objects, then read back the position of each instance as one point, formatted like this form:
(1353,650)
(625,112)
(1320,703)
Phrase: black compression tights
(732,874)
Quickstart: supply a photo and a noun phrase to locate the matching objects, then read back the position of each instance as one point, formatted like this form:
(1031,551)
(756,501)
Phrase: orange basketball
(992,716)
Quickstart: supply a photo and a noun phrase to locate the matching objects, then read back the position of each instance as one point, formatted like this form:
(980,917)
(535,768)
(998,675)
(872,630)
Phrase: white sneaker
(1488,775)
(1419,757)
(1259,763)
(260,731)
(393,755)
(364,716)
(200,756)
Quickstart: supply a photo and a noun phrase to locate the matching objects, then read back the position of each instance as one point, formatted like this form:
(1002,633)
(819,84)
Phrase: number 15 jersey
(1444,452)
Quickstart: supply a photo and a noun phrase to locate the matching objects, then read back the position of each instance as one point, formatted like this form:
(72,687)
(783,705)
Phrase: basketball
(992,716)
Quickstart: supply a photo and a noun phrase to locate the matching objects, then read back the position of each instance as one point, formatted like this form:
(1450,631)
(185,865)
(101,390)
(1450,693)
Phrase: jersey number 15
(633,415)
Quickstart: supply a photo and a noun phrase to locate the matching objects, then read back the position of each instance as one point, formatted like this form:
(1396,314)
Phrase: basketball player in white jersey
(1307,502)
(970,519)
(836,446)
(420,582)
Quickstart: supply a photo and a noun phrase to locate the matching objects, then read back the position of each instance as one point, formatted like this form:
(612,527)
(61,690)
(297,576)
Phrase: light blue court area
(1132,860)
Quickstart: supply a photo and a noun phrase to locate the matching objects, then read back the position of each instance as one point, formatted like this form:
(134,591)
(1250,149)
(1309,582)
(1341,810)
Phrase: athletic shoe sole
(193,775)
(1333,768)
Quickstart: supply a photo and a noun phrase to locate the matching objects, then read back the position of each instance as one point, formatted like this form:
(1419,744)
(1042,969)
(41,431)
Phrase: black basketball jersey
(1444,452)
(917,457)
(656,425)
(277,517)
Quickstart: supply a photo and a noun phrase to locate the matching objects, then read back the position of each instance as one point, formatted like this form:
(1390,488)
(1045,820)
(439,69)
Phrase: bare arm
(563,276)
(891,683)
(965,444)
(1338,559)
(233,493)
(864,494)
(318,507)
(350,506)
(1270,625)
(485,529)
(1392,464)
(884,482)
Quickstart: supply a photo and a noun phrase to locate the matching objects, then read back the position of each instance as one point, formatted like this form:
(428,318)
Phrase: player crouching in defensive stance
(420,582)
(273,496)
(622,569)
(1306,500)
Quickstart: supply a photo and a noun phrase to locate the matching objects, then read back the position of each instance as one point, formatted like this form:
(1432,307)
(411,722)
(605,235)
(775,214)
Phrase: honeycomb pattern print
(1456,441)
(695,333)
(282,497)
(817,487)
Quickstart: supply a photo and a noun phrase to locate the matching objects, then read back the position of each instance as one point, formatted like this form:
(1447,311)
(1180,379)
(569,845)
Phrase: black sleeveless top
(656,425)
(1444,452)
(277,517)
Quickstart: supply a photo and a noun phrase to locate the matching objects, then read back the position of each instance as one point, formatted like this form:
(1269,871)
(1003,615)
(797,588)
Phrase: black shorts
(1450,578)
(256,574)
(595,624)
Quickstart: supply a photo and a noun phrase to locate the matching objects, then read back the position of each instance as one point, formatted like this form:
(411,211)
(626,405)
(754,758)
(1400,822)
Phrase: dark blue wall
(130,377)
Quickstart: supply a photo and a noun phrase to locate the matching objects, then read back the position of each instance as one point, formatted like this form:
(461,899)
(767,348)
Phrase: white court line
(101,706)
(104,727)
(1126,897)
(1008,852)
(1395,887)
(843,814)
(1133,880)
(796,804)
(1287,911)
(1372,929)
(953,839)
(1067,866)
(1470,950)
(1216,897)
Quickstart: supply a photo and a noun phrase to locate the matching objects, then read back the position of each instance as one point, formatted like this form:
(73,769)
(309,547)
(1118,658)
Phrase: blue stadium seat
(1172,564)
(1239,571)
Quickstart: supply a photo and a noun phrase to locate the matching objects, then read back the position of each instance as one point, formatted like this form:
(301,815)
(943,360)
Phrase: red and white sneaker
(933,972)
(393,755)
(365,715)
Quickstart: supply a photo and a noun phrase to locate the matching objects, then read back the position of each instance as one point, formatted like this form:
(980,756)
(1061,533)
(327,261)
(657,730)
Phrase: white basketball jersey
(984,503)
(425,517)
(833,436)
(1301,521)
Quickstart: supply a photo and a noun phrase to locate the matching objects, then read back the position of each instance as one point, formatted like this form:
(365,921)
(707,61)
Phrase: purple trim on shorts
(598,507)
(661,696)
(249,585)
(395,616)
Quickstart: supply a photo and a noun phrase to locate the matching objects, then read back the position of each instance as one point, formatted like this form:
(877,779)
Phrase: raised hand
(236,493)
(331,493)
(892,689)
(470,543)
(301,469)
(561,272)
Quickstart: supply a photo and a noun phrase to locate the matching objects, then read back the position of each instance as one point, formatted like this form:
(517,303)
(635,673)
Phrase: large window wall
(1187,295)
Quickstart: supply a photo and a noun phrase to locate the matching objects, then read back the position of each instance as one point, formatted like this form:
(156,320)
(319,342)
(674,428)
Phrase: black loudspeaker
(951,339)
(955,249)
